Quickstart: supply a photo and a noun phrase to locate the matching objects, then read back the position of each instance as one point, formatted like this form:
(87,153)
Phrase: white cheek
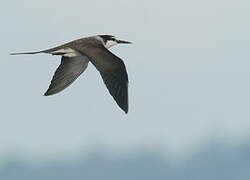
(110,43)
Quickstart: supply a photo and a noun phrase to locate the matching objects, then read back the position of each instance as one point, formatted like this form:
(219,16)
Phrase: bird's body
(75,58)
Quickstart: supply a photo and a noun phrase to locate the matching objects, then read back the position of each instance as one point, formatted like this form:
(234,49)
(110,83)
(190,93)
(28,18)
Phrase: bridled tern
(75,58)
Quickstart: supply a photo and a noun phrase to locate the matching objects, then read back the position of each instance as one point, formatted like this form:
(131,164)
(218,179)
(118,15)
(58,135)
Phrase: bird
(75,58)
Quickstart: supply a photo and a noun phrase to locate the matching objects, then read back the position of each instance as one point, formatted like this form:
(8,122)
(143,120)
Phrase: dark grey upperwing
(113,72)
(66,73)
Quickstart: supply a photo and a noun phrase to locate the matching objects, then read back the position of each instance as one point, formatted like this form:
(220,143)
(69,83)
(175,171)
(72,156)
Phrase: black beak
(123,42)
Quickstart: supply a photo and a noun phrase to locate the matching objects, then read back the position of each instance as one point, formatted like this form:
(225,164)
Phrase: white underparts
(67,52)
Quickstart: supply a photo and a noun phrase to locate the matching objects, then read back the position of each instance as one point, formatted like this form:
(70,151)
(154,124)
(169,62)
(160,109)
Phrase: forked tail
(34,52)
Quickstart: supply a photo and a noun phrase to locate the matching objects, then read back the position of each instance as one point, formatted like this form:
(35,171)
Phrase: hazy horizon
(188,71)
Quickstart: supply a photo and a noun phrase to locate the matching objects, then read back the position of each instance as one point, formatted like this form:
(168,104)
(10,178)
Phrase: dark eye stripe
(108,37)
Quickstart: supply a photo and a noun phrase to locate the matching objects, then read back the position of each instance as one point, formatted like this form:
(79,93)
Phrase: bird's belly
(67,52)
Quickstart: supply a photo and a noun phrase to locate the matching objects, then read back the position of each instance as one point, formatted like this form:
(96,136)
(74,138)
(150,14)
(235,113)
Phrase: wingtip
(125,109)
(47,93)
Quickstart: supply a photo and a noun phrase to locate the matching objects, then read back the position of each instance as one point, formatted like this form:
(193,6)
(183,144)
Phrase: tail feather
(35,52)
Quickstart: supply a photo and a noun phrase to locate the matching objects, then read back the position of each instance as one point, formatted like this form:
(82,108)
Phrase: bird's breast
(67,52)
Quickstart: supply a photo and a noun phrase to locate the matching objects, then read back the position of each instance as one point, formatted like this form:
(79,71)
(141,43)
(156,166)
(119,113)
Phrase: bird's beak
(123,42)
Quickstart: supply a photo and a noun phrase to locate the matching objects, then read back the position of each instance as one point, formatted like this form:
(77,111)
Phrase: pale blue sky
(188,69)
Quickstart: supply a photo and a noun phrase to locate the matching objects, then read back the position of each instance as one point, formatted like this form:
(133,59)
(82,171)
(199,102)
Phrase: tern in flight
(75,58)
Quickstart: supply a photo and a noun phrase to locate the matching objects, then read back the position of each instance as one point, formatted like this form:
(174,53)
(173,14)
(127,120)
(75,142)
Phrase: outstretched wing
(68,71)
(113,72)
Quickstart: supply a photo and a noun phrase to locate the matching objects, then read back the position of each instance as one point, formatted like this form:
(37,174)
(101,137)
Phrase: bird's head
(109,41)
